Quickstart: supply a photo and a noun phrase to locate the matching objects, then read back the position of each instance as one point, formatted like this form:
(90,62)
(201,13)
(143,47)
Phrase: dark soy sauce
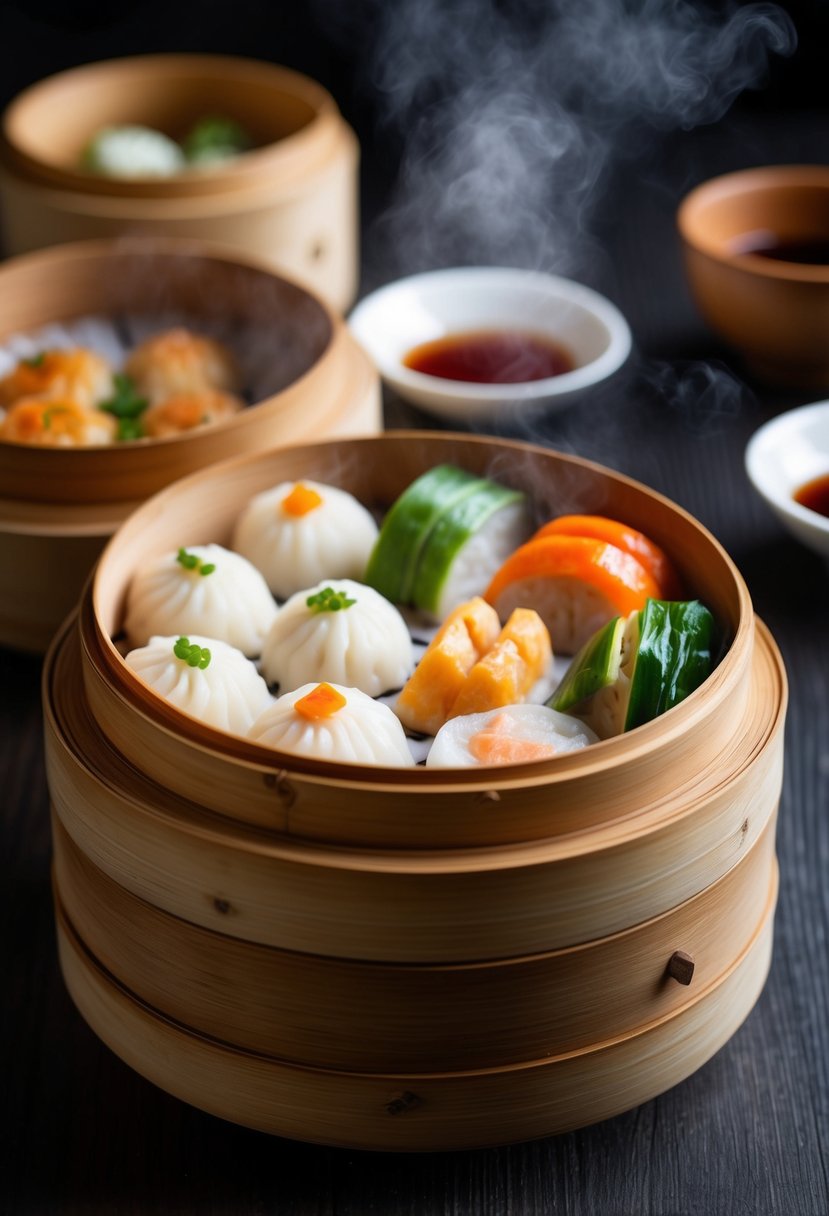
(491,357)
(814,495)
(804,251)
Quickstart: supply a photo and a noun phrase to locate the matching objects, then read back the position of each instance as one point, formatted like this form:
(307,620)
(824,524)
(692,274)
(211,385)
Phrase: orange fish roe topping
(495,745)
(301,500)
(321,702)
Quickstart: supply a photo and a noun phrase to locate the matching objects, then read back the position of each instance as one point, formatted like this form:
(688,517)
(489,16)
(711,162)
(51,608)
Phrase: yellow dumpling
(56,422)
(184,411)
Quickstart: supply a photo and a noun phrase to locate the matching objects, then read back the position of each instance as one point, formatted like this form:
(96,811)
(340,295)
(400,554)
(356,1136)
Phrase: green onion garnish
(191,562)
(193,655)
(49,414)
(127,405)
(329,600)
(35,360)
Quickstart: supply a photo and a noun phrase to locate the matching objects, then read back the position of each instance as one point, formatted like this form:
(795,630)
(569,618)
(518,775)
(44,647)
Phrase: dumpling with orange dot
(77,375)
(185,411)
(301,532)
(331,722)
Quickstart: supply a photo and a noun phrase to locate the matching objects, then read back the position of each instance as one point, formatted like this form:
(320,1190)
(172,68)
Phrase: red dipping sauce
(502,356)
(814,495)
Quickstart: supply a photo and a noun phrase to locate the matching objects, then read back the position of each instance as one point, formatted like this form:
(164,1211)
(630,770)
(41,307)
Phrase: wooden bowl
(291,201)
(775,312)
(59,505)
(412,959)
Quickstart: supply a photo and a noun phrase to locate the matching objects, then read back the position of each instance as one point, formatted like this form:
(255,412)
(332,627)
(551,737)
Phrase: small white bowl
(782,456)
(404,314)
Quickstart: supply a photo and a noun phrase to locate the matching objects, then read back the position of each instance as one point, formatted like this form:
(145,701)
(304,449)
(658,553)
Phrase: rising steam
(514,113)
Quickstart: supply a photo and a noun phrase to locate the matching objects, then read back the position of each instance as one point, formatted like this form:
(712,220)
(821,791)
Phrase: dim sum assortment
(343,671)
(133,150)
(171,383)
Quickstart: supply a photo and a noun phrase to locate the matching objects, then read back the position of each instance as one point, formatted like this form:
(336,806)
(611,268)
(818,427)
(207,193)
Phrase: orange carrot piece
(495,745)
(301,500)
(619,577)
(628,539)
(321,702)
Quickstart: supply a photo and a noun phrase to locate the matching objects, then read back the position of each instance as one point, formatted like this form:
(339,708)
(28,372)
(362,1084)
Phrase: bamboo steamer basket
(59,506)
(405,959)
(292,201)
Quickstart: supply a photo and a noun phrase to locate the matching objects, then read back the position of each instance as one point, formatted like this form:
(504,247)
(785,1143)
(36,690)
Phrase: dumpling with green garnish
(205,678)
(342,632)
(205,590)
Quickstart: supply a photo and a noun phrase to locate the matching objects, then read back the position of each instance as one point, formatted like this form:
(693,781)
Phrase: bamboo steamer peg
(349,804)
(681,967)
(292,201)
(407,905)
(423,1112)
(348,1014)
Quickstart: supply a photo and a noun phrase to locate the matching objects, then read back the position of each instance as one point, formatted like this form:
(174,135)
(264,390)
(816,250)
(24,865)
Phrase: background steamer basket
(349,804)
(292,201)
(58,506)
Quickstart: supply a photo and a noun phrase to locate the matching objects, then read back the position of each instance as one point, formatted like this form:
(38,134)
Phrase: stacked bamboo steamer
(58,506)
(291,202)
(412,960)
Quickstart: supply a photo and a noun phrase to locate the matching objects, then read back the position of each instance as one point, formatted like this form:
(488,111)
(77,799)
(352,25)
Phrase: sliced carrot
(428,696)
(507,672)
(321,702)
(628,539)
(575,583)
(301,500)
(495,745)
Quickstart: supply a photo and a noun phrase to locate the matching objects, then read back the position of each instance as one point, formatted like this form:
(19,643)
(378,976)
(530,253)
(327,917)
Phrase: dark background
(747,1134)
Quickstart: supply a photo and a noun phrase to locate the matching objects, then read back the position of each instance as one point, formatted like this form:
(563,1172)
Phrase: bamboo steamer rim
(695,998)
(22,518)
(198,823)
(49,465)
(101,652)
(277,163)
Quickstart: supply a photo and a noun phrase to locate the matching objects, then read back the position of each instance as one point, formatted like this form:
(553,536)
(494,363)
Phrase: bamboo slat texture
(747,1133)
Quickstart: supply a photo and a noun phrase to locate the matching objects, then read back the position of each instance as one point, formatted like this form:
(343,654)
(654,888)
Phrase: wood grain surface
(745,1135)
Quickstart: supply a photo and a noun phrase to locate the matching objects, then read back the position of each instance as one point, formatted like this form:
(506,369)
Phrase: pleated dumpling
(203,677)
(330,722)
(301,532)
(343,632)
(205,589)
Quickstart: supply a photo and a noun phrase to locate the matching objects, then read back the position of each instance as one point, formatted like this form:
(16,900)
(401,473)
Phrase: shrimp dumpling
(179,361)
(56,423)
(515,734)
(203,677)
(301,532)
(185,411)
(343,632)
(81,376)
(331,722)
(206,590)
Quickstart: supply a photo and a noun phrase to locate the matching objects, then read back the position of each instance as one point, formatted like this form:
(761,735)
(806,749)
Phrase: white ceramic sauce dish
(784,455)
(390,322)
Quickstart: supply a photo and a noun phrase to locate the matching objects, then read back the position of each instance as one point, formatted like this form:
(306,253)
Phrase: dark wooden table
(748,1132)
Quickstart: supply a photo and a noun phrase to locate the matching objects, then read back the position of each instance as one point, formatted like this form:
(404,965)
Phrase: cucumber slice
(457,526)
(391,567)
(594,667)
(596,685)
(673,657)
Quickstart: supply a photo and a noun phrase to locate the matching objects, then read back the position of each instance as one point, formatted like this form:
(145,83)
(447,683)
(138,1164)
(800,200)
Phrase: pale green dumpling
(133,151)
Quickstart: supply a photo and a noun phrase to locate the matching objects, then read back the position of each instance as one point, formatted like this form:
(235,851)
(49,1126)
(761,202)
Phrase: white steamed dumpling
(515,734)
(203,677)
(300,532)
(205,589)
(331,722)
(340,631)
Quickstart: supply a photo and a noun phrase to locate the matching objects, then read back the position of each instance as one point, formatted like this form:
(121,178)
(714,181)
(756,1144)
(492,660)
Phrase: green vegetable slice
(393,562)
(594,667)
(452,531)
(673,658)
